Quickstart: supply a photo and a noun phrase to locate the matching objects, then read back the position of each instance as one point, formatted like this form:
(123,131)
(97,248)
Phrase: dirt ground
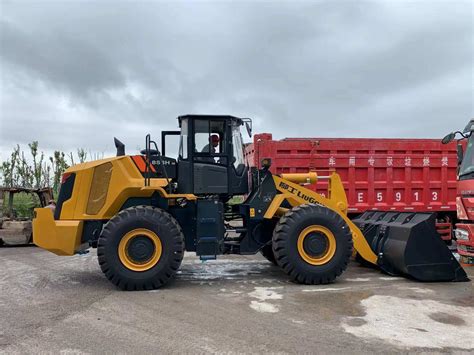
(232,305)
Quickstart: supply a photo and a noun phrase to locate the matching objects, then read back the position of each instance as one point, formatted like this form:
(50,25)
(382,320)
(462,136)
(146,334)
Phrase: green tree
(37,168)
(59,165)
(82,155)
(37,172)
(9,168)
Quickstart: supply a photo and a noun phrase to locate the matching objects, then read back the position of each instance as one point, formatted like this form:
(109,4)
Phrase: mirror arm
(464,136)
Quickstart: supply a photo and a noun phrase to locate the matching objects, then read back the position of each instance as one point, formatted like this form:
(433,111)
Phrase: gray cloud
(77,73)
(80,66)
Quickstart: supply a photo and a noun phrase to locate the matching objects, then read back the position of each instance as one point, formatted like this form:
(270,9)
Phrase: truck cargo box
(378,174)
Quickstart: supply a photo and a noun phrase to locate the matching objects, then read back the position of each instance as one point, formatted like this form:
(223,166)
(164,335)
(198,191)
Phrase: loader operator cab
(210,157)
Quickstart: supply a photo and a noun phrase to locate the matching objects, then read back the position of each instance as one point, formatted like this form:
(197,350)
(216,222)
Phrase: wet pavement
(234,305)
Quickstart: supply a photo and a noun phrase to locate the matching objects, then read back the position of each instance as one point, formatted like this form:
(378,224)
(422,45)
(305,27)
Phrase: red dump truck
(465,193)
(416,175)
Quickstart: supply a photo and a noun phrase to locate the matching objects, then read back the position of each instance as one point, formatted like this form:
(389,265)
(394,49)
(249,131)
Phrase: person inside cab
(212,145)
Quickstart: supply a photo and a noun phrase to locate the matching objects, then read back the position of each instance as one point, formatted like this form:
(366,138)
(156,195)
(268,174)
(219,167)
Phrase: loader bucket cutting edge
(408,244)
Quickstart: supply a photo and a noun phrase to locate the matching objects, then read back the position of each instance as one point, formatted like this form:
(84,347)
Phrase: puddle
(264,294)
(414,323)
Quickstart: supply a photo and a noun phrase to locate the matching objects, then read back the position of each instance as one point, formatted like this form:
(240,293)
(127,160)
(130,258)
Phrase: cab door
(210,156)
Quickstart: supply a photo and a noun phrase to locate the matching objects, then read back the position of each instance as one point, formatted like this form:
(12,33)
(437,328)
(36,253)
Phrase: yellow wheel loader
(143,211)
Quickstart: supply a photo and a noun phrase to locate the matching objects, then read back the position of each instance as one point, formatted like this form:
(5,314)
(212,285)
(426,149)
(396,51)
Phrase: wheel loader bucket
(408,244)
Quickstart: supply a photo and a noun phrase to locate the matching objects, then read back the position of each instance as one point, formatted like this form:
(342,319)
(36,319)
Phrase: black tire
(152,220)
(267,252)
(288,256)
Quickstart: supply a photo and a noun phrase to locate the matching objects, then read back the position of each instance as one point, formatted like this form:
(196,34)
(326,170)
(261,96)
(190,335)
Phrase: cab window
(209,137)
(183,140)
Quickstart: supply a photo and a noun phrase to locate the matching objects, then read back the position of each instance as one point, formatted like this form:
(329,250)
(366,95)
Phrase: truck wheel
(312,244)
(267,252)
(140,248)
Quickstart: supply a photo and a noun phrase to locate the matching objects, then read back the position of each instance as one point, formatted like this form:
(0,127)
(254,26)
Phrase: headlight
(461,234)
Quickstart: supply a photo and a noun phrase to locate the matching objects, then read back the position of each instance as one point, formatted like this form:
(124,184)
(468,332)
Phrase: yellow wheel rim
(140,249)
(316,245)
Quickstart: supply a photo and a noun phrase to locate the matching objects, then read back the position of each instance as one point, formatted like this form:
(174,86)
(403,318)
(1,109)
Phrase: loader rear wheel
(140,248)
(312,244)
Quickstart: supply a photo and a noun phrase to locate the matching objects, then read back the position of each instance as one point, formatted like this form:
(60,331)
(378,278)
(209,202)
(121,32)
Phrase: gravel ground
(233,305)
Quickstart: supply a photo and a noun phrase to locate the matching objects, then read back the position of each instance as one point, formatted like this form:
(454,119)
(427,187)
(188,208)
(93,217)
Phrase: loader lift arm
(296,195)
(399,243)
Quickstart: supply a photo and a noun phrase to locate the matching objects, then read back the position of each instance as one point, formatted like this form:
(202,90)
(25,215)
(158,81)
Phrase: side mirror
(248,126)
(448,138)
(460,153)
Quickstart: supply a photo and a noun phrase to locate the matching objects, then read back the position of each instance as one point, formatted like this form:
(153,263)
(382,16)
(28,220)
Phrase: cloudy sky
(75,74)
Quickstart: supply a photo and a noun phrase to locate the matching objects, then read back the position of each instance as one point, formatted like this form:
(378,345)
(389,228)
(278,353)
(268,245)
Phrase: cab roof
(209,117)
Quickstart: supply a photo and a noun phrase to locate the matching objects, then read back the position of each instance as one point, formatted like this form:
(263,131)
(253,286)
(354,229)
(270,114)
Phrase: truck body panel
(407,175)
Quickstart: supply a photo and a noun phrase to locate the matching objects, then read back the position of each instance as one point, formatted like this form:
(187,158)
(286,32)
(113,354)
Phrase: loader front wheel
(140,248)
(312,244)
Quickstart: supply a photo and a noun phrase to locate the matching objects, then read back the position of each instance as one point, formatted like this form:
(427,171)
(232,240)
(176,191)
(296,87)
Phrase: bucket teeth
(408,244)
